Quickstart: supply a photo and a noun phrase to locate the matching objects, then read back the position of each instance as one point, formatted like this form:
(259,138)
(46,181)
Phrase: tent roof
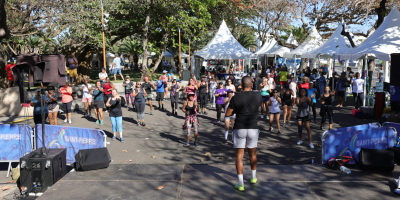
(335,44)
(224,46)
(383,42)
(313,41)
(266,47)
(281,50)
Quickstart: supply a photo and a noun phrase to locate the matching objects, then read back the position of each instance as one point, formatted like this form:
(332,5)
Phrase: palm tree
(132,47)
(246,40)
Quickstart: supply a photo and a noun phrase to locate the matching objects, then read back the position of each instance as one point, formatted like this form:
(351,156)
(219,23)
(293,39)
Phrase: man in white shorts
(245,131)
(293,86)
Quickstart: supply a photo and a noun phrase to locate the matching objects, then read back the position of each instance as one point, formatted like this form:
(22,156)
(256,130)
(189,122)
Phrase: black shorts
(340,93)
(303,119)
(160,96)
(67,107)
(274,113)
(98,104)
(287,103)
(395,106)
(265,98)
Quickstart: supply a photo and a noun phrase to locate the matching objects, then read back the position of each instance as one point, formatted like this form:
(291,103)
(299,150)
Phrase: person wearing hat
(116,67)
(220,95)
(87,97)
(229,121)
(191,121)
(203,91)
(128,84)
(73,65)
(9,67)
(174,87)
(160,92)
(36,102)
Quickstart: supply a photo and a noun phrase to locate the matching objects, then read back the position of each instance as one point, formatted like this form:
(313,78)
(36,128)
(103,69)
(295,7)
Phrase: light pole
(180,56)
(104,41)
(189,58)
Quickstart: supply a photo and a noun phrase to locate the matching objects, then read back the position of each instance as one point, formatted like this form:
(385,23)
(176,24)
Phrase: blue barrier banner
(15,141)
(71,138)
(350,143)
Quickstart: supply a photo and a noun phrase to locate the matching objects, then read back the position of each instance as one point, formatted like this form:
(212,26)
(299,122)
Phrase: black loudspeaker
(91,159)
(395,69)
(21,79)
(374,159)
(39,173)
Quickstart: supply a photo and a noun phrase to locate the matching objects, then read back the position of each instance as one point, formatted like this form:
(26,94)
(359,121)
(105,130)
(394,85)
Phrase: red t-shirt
(9,70)
(305,85)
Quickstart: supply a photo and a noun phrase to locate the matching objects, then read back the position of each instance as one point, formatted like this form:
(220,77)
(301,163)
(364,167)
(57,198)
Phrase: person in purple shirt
(220,95)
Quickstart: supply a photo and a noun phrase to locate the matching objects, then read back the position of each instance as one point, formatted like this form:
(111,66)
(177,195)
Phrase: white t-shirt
(293,86)
(358,85)
(103,75)
(270,81)
(117,62)
(86,93)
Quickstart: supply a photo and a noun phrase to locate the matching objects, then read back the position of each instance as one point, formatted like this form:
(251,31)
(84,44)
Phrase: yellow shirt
(283,75)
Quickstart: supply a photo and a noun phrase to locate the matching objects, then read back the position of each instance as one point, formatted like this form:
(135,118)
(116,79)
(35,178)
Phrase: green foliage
(298,33)
(247,40)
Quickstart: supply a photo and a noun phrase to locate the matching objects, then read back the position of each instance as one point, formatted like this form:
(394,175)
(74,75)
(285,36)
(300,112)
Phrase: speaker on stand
(395,82)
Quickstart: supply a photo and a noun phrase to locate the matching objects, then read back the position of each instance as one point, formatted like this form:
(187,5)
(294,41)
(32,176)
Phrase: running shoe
(206,113)
(253,180)
(90,115)
(186,144)
(97,121)
(101,122)
(138,123)
(113,138)
(65,120)
(143,124)
(151,113)
(69,121)
(239,187)
(196,144)
(311,145)
(321,128)
(218,121)
(287,123)
(85,115)
(270,129)
(106,111)
(262,116)
(267,117)
(283,124)
(225,142)
(299,142)
(279,132)
(122,139)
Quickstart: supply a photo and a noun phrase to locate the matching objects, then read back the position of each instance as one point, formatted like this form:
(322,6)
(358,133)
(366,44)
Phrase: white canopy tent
(313,41)
(266,47)
(281,50)
(224,46)
(335,44)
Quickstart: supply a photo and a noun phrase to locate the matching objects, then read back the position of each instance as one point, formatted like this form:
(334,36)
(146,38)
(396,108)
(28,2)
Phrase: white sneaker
(65,120)
(262,116)
(311,145)
(268,117)
(69,121)
(299,142)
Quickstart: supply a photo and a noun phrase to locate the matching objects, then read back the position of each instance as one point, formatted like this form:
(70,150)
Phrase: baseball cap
(174,78)
(230,91)
(165,71)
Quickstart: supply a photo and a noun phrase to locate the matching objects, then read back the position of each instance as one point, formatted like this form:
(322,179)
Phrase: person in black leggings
(326,107)
(140,102)
(203,91)
(174,95)
(311,90)
(220,95)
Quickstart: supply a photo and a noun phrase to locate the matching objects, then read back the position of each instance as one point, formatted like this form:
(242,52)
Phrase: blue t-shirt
(310,92)
(37,110)
(170,74)
(160,86)
(97,95)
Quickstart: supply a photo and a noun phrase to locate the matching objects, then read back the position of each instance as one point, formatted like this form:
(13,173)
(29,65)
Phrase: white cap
(174,78)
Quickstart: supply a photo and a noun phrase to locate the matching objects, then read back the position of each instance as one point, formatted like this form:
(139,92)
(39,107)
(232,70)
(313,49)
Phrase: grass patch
(134,75)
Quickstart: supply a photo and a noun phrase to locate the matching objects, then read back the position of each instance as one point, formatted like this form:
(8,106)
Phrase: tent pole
(333,70)
(365,79)
(386,71)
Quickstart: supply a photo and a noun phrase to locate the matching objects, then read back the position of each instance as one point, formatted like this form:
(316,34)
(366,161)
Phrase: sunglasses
(138,84)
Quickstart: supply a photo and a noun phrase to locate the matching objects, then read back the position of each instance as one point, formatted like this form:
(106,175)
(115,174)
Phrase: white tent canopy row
(224,46)
(312,42)
(335,44)
(266,47)
(383,42)
(281,50)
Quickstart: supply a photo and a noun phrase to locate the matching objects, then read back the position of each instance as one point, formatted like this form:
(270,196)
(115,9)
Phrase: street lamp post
(104,41)
(180,56)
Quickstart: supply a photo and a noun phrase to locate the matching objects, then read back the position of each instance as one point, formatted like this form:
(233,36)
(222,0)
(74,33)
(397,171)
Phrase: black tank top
(115,108)
(203,88)
(189,109)
(328,100)
(287,96)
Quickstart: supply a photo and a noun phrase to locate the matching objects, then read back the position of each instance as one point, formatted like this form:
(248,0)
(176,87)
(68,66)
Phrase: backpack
(67,64)
(122,62)
(337,162)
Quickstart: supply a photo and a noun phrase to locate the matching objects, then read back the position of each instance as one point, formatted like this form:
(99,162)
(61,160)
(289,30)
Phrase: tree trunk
(381,12)
(4,32)
(145,70)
